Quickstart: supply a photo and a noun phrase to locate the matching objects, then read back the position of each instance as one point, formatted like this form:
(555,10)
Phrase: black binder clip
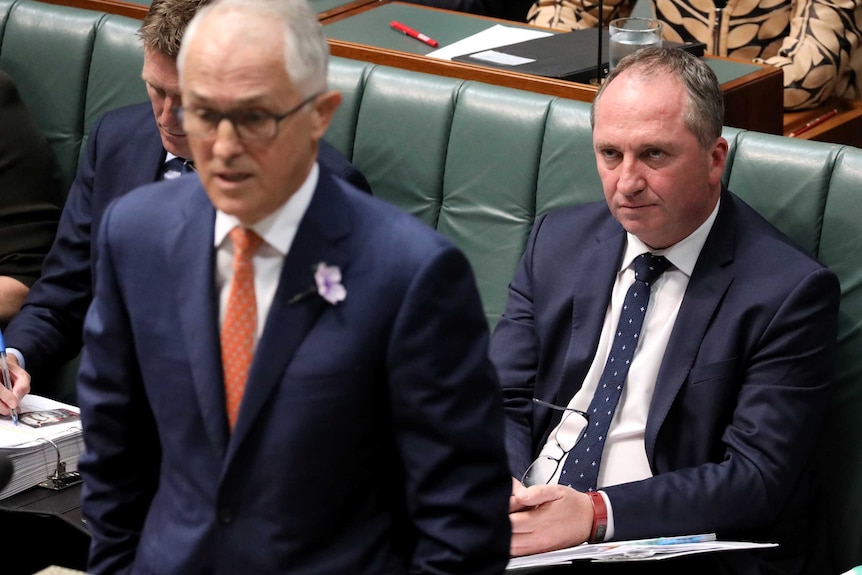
(60,478)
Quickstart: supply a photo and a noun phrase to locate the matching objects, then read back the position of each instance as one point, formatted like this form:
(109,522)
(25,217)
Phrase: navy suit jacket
(123,151)
(370,436)
(741,391)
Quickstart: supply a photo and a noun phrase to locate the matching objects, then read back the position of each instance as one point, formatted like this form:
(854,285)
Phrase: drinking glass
(627,35)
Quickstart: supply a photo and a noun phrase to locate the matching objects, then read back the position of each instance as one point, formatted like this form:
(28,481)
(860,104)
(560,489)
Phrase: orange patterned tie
(240,320)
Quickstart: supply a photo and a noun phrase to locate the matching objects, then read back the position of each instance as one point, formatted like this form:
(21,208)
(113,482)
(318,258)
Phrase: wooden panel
(838,121)
(139,10)
(753,92)
(419,63)
(110,6)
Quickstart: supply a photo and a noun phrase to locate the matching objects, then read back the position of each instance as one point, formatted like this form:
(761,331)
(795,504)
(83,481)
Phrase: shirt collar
(278,228)
(169,156)
(683,254)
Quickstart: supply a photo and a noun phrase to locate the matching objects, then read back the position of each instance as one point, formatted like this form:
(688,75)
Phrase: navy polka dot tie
(581,469)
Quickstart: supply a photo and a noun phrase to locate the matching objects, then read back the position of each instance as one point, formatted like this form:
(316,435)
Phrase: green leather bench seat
(70,66)
(479,163)
(475,161)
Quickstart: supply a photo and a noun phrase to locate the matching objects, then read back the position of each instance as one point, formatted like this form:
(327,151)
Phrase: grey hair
(306,51)
(704,115)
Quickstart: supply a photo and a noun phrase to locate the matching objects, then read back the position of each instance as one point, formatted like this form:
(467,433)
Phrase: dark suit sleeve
(121,465)
(449,423)
(514,351)
(782,376)
(30,189)
(333,160)
(47,330)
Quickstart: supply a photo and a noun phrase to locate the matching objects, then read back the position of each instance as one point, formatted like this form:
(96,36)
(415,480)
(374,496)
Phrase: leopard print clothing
(815,42)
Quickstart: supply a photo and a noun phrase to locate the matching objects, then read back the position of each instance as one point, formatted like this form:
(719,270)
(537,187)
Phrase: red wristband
(600,517)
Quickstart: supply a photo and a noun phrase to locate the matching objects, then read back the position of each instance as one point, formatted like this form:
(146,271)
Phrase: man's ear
(324,109)
(718,159)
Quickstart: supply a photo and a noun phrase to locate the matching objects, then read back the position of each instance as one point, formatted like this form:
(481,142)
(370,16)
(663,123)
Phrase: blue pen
(680,540)
(4,373)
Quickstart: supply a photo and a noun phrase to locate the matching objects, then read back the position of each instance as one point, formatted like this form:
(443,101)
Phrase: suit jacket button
(225,516)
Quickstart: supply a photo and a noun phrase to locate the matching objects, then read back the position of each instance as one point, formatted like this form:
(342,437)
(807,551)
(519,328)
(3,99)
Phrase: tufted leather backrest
(69,65)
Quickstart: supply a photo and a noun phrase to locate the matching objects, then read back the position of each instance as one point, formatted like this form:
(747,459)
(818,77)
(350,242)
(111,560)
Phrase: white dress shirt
(277,230)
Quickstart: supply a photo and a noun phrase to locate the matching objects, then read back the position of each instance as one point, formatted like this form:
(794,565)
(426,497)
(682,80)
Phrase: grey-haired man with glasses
(282,374)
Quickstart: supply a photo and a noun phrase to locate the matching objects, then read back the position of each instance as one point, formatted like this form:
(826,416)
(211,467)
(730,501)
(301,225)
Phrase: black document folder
(571,56)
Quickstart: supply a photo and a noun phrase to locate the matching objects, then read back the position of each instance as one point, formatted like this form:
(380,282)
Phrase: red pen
(815,122)
(413,33)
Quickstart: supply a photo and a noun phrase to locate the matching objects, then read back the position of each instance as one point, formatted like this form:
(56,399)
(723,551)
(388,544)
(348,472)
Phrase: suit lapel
(288,323)
(594,275)
(192,265)
(148,164)
(152,163)
(709,281)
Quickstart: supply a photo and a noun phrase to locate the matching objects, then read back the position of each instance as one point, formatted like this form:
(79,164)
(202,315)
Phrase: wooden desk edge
(341,11)
(450,69)
(770,81)
(136,11)
(738,93)
(845,127)
(139,11)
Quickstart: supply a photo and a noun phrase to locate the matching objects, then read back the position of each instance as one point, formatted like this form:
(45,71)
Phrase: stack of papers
(633,550)
(46,430)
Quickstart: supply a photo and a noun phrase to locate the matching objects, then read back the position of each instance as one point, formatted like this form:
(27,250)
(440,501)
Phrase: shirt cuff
(17,355)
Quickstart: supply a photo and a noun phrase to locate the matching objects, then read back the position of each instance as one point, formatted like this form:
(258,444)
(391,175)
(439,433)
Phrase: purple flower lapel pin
(327,281)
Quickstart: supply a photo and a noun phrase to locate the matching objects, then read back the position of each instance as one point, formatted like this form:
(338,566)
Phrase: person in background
(815,42)
(32,199)
(281,373)
(515,10)
(691,401)
(127,147)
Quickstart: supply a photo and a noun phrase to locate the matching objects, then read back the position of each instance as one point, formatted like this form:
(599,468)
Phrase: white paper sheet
(635,550)
(22,436)
(493,37)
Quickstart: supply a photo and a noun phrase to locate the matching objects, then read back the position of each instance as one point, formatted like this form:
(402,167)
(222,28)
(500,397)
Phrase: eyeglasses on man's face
(570,430)
(248,124)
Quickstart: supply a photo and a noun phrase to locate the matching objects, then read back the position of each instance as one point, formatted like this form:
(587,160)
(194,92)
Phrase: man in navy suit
(369,433)
(727,389)
(126,149)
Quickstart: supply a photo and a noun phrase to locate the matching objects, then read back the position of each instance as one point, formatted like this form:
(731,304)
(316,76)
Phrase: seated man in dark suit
(31,199)
(728,326)
(126,149)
